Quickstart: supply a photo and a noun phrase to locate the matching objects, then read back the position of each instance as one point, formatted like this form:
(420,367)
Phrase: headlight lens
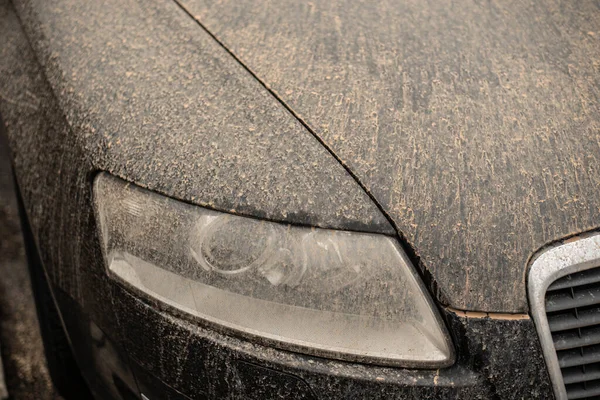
(339,294)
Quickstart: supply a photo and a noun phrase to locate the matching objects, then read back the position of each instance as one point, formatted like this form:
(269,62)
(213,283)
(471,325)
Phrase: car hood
(476,128)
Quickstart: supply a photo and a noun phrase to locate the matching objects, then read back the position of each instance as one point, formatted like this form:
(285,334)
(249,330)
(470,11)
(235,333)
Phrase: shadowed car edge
(191,111)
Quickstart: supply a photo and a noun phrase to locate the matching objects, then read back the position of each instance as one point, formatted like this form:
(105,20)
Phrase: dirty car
(309,200)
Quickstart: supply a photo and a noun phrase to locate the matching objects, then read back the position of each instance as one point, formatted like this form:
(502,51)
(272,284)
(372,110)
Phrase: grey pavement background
(21,346)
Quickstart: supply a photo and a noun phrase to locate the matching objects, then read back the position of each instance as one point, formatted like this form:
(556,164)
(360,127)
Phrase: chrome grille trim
(554,263)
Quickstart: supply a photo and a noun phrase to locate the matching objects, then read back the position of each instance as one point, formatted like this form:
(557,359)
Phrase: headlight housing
(345,295)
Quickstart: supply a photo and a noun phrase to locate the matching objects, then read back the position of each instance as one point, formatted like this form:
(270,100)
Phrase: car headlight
(345,295)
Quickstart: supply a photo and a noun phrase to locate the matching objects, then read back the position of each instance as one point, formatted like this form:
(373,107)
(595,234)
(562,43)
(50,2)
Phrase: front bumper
(172,358)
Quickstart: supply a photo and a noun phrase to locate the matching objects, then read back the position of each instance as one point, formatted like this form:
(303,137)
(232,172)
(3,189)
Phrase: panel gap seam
(295,115)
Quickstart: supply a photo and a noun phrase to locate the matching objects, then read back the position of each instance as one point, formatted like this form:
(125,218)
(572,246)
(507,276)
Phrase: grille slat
(579,391)
(575,338)
(578,356)
(578,374)
(578,279)
(580,297)
(571,320)
(573,313)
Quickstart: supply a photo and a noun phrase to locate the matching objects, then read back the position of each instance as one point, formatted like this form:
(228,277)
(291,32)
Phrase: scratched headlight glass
(345,295)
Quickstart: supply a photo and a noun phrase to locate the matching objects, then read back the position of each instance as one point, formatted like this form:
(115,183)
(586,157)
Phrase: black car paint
(59,142)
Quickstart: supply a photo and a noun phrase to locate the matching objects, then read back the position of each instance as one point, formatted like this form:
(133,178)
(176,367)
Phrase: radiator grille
(573,312)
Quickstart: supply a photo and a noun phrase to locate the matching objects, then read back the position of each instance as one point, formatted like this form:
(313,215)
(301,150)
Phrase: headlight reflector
(345,295)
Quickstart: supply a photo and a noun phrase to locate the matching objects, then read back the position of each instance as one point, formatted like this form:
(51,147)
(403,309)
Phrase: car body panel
(475,124)
(153,99)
